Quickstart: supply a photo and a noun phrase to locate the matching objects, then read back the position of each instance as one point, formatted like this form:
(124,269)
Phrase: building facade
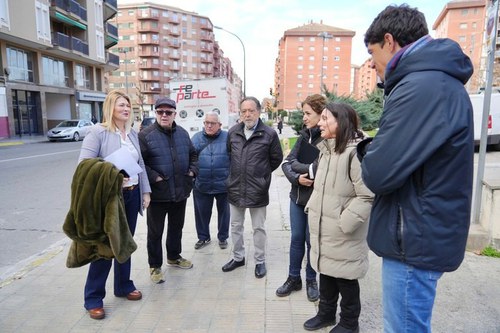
(310,57)
(365,80)
(159,43)
(52,62)
(464,22)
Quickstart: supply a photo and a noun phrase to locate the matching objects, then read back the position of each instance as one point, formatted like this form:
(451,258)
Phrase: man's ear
(391,43)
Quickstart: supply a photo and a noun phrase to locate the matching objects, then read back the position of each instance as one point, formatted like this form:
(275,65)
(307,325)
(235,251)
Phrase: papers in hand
(123,160)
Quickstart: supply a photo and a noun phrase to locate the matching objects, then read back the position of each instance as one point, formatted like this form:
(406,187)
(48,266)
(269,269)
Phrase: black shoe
(291,284)
(312,290)
(260,270)
(201,243)
(342,329)
(233,264)
(223,244)
(317,322)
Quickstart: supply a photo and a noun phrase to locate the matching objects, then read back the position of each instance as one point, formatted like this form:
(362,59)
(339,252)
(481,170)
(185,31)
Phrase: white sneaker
(156,275)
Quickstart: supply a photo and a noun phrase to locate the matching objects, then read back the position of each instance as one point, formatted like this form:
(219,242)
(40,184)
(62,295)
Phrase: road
(35,197)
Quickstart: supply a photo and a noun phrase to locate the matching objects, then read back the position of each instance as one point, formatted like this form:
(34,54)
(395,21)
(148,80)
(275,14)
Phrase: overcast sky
(261,23)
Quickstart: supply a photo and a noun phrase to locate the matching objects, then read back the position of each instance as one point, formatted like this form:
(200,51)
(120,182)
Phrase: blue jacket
(168,153)
(213,162)
(420,163)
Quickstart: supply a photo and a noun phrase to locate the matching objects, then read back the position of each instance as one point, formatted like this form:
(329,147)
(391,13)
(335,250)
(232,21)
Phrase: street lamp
(123,50)
(244,57)
(324,35)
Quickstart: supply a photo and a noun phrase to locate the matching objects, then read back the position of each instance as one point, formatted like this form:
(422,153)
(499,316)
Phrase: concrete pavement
(45,296)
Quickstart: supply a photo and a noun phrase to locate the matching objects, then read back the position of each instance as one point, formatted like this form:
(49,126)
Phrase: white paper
(123,160)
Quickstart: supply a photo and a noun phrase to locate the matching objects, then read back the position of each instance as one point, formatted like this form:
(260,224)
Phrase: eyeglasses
(210,123)
(164,112)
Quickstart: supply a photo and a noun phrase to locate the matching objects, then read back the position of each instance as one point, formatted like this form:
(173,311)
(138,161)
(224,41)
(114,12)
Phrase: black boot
(319,321)
(312,290)
(291,284)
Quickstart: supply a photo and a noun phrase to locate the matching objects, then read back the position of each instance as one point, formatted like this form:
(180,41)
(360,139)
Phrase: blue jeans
(95,287)
(408,297)
(299,242)
(203,204)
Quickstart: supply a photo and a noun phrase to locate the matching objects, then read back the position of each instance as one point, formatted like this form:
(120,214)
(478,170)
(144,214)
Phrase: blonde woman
(113,133)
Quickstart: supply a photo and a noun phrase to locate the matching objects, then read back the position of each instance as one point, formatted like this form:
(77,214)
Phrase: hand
(191,173)
(125,180)
(158,179)
(304,181)
(146,199)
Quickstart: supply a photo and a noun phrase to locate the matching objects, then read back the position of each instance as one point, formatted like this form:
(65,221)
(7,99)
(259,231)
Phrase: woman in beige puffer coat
(338,214)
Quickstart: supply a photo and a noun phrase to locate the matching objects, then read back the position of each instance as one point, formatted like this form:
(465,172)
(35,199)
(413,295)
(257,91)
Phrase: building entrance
(27,112)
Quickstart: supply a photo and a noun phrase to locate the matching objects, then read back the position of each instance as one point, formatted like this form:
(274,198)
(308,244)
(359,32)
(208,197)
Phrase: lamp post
(126,74)
(324,35)
(244,57)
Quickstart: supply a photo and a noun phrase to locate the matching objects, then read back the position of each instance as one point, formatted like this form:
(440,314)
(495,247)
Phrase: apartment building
(159,43)
(312,56)
(365,80)
(53,56)
(464,22)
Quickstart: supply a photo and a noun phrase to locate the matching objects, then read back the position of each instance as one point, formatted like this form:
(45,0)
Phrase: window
(311,67)
(300,58)
(465,12)
(164,13)
(337,39)
(336,58)
(311,48)
(300,67)
(311,58)
(82,76)
(131,13)
(42,21)
(312,39)
(337,48)
(474,25)
(310,86)
(4,14)
(301,48)
(55,72)
(462,39)
(20,64)
(311,76)
(99,20)
(301,39)
(463,25)
(99,44)
(299,76)
(299,85)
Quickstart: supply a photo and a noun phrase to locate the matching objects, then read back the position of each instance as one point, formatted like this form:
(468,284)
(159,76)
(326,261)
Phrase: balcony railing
(111,30)
(72,7)
(79,46)
(113,59)
(61,40)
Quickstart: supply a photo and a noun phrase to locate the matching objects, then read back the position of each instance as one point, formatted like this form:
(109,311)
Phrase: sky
(261,23)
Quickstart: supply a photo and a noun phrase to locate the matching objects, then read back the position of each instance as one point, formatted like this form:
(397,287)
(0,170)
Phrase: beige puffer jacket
(338,214)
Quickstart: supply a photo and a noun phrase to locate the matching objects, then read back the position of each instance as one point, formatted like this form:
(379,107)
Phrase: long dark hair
(347,125)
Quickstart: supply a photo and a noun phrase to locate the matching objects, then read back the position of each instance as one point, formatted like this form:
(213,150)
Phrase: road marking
(41,155)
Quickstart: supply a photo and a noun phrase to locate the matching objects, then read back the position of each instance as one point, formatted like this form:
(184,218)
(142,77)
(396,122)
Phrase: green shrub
(490,252)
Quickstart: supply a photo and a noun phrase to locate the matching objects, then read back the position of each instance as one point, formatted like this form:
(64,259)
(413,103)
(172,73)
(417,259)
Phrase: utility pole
(324,35)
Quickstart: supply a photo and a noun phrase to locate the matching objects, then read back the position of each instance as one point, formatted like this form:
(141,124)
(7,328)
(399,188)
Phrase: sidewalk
(48,297)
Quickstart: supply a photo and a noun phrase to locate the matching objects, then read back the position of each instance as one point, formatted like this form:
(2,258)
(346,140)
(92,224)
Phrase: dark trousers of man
(350,304)
(95,287)
(203,204)
(157,211)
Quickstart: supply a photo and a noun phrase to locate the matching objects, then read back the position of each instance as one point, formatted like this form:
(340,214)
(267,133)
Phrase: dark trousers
(203,204)
(350,304)
(156,223)
(95,287)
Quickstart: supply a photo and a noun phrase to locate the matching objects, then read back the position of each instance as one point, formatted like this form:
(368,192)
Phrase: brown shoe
(134,295)
(96,313)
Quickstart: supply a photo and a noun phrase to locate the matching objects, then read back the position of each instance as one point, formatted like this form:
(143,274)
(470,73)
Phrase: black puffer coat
(252,162)
(170,154)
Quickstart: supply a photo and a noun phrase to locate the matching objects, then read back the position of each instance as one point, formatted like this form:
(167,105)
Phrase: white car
(74,129)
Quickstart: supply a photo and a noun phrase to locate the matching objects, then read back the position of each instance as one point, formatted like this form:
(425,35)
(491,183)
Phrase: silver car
(74,129)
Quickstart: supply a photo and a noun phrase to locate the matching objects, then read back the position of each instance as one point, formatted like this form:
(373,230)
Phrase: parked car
(74,129)
(146,122)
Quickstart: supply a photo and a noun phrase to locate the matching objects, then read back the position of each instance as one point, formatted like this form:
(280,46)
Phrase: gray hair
(213,113)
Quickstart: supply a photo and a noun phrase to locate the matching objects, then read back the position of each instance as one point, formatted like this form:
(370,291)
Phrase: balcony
(71,8)
(206,48)
(111,30)
(61,40)
(112,62)
(174,32)
(149,65)
(174,20)
(111,36)
(147,14)
(149,78)
(174,44)
(206,26)
(147,41)
(110,9)
(148,28)
(208,36)
(174,55)
(78,45)
(206,70)
(151,90)
(148,52)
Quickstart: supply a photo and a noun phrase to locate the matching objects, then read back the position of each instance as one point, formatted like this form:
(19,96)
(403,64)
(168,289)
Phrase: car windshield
(68,123)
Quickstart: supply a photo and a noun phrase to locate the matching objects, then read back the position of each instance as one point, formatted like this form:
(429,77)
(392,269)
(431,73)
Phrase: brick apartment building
(464,22)
(159,43)
(53,56)
(310,56)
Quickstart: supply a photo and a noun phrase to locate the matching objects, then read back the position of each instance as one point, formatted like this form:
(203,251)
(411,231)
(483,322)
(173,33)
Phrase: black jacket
(168,153)
(252,162)
(420,163)
(292,168)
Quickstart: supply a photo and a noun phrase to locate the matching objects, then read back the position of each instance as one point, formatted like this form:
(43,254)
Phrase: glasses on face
(164,112)
(210,123)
